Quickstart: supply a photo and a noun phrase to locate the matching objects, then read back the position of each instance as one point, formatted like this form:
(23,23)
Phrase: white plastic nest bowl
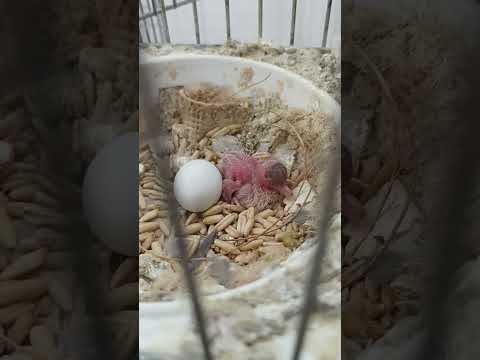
(187,70)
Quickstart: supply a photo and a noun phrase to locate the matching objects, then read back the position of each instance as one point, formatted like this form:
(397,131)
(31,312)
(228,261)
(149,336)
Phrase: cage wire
(154,29)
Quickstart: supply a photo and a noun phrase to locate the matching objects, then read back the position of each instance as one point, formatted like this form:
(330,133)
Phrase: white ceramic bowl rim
(146,59)
(151,309)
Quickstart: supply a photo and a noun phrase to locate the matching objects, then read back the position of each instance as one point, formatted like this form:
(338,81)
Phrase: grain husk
(226,221)
(22,290)
(266,213)
(191,218)
(7,230)
(122,297)
(250,221)
(212,219)
(21,327)
(230,230)
(148,227)
(24,265)
(227,247)
(214,210)
(9,313)
(43,343)
(252,245)
(150,215)
(193,228)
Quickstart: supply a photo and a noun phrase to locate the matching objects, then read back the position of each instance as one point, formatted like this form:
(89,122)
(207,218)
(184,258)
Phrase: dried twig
(9,341)
(252,85)
(374,259)
(377,216)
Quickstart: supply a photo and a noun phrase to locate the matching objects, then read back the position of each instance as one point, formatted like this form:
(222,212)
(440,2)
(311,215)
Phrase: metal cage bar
(227,19)
(160,26)
(144,22)
(260,19)
(327,23)
(195,20)
(293,21)
(175,5)
(154,32)
(140,35)
(145,15)
(165,21)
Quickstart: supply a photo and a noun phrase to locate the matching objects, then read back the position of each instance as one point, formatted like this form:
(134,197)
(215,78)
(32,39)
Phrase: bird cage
(288,23)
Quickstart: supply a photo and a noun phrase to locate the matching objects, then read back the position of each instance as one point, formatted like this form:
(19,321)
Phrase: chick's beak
(285,191)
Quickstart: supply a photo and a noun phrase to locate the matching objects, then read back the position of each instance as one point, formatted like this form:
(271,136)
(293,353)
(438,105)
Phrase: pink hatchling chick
(253,183)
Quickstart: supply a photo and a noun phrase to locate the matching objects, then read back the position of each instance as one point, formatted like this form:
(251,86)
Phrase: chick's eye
(277,174)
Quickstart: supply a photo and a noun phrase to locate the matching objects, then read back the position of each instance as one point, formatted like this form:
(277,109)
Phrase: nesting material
(208,107)
(251,239)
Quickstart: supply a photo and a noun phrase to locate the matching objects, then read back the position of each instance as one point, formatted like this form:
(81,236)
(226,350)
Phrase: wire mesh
(147,26)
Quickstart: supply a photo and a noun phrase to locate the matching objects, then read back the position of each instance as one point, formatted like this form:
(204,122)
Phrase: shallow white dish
(184,70)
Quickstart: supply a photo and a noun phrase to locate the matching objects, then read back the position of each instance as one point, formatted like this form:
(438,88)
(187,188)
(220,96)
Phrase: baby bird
(253,183)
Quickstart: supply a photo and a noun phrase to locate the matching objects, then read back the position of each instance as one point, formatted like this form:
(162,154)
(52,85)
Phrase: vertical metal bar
(310,292)
(174,217)
(159,22)
(150,15)
(227,19)
(174,4)
(292,26)
(327,23)
(145,22)
(140,35)
(447,222)
(195,19)
(260,19)
(165,21)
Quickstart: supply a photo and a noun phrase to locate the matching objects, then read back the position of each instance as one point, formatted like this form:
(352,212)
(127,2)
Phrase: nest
(246,238)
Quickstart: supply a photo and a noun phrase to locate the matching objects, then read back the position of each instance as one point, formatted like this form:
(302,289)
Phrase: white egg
(110,195)
(197,185)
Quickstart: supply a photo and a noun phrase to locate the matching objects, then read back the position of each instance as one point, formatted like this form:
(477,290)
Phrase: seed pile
(238,229)
(39,300)
(42,309)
